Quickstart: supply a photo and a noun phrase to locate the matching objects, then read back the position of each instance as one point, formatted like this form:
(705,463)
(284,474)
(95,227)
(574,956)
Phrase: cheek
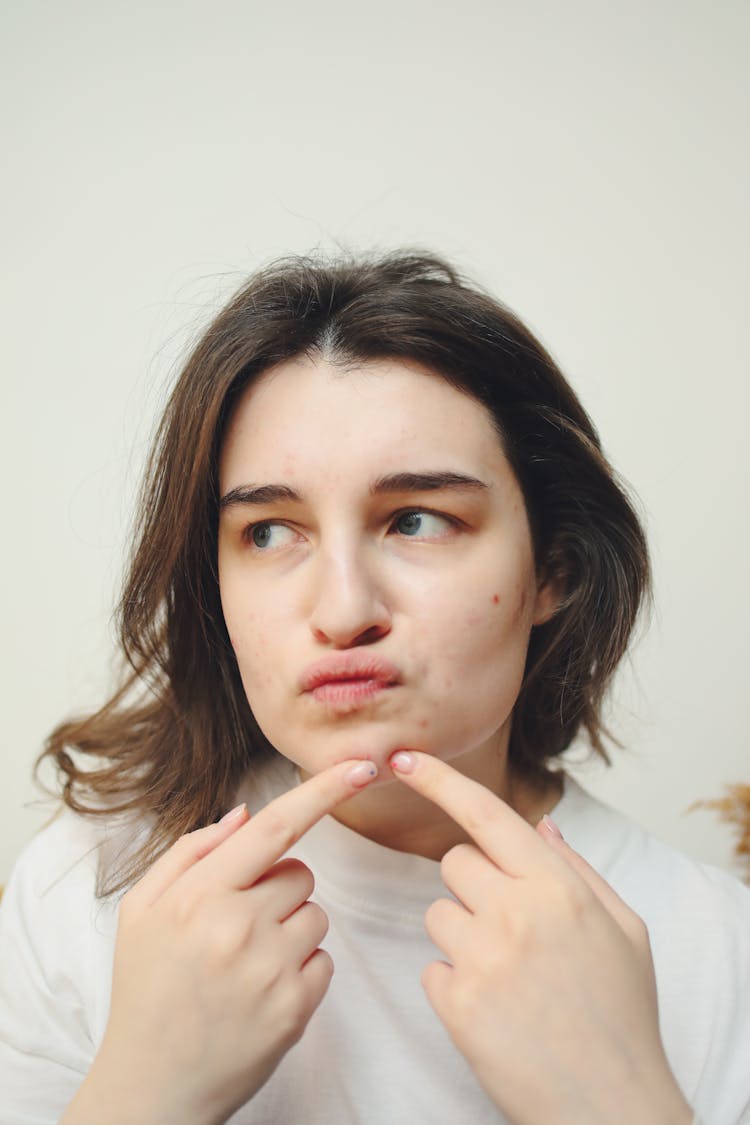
(251,636)
(490,633)
(475,656)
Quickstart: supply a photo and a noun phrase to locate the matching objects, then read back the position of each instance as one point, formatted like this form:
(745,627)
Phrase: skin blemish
(495,599)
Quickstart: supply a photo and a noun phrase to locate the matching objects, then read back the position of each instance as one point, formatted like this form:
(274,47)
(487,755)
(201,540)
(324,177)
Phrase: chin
(367,749)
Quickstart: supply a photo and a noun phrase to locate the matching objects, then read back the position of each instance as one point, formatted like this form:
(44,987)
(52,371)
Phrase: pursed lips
(348,678)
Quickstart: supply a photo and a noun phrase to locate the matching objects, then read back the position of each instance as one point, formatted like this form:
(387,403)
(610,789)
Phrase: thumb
(184,853)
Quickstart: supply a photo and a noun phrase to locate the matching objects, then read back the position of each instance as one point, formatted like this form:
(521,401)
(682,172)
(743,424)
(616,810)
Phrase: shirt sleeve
(52,990)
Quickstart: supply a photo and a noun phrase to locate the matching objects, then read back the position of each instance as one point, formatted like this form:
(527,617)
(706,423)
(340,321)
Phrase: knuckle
(191,846)
(226,942)
(303,877)
(316,976)
(570,899)
(293,1012)
(318,920)
(437,914)
(188,909)
(483,809)
(430,923)
(292,1023)
(453,859)
(438,991)
(267,973)
(465,1000)
(184,912)
(278,831)
(491,960)
(638,933)
(428,980)
(580,900)
(299,869)
(321,965)
(185,844)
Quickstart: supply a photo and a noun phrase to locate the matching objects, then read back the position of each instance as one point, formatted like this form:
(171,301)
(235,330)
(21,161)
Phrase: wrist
(654,1098)
(658,1101)
(119,1093)
(667,1104)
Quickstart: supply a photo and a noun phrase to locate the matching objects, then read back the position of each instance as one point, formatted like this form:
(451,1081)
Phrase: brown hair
(174,742)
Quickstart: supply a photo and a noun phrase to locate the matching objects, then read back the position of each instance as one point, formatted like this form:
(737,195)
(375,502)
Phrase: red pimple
(496,598)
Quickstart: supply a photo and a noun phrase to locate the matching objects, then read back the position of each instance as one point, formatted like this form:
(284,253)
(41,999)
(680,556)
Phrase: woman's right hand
(217,969)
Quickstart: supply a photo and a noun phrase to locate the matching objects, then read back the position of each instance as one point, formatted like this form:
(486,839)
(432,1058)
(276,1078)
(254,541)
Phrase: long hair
(175,740)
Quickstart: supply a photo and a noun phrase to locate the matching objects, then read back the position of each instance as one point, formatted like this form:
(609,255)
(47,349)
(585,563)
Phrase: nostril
(374,633)
(344,638)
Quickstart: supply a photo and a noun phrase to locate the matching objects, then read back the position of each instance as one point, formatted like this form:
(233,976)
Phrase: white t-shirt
(374,1053)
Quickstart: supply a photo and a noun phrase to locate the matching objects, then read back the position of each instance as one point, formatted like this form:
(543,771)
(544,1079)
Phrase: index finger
(504,836)
(245,856)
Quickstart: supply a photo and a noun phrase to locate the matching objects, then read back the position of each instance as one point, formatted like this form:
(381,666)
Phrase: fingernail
(234,814)
(361,774)
(403,762)
(551,827)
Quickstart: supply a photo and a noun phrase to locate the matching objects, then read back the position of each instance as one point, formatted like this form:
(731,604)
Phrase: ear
(549,596)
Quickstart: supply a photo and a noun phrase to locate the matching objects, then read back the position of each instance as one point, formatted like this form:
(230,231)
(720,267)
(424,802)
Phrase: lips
(348,676)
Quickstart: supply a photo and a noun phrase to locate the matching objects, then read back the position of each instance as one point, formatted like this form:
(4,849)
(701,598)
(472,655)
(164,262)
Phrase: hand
(217,969)
(549,990)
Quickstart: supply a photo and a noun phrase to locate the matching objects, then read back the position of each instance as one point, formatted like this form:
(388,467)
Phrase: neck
(395,816)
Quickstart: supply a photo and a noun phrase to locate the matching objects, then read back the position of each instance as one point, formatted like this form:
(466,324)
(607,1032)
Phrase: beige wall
(587,161)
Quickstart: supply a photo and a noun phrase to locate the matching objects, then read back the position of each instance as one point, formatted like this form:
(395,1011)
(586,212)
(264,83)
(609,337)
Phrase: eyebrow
(393,482)
(258,494)
(426,482)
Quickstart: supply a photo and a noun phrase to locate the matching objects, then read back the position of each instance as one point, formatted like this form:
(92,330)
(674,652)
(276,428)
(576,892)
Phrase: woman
(383,576)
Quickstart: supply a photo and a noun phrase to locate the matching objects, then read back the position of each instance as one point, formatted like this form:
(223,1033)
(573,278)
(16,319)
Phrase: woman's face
(375,564)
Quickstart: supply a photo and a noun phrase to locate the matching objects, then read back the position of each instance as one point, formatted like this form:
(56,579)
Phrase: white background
(587,160)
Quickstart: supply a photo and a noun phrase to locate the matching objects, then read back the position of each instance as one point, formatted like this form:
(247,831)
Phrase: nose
(348,607)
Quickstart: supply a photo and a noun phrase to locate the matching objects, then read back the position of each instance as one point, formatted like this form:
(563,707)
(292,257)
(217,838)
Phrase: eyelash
(451,521)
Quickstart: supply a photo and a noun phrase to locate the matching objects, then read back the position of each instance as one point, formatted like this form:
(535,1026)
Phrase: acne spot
(424,723)
(495,599)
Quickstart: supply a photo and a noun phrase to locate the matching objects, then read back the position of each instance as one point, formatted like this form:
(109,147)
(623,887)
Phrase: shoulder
(57,937)
(648,873)
(56,946)
(698,919)
(50,904)
(68,852)
(66,846)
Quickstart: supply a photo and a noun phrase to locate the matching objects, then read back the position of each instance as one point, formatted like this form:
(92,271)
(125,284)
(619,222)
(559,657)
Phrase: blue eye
(268,535)
(424,525)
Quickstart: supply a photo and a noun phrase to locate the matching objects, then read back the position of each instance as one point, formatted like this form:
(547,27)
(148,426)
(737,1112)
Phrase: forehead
(379,415)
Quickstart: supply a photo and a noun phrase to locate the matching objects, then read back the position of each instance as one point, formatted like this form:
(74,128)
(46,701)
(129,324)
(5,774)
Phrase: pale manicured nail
(361,774)
(403,762)
(233,814)
(551,827)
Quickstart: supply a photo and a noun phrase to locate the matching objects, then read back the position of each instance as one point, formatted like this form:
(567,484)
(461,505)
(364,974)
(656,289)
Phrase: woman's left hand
(548,989)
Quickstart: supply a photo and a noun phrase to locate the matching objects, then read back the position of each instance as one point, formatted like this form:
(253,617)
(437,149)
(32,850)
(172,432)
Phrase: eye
(422,525)
(268,535)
